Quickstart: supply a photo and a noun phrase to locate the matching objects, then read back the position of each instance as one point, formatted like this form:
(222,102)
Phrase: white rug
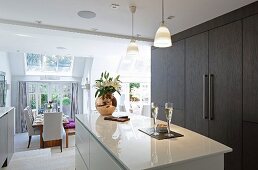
(41,159)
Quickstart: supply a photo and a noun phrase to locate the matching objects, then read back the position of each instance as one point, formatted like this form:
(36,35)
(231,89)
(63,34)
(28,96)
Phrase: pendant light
(163,36)
(132,49)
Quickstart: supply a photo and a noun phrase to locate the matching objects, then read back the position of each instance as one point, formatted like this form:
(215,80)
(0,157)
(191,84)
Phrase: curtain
(74,102)
(22,103)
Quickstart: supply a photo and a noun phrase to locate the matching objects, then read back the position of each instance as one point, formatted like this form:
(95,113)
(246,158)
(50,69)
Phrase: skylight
(38,64)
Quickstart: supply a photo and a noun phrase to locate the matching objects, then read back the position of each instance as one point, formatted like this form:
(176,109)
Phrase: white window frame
(49,92)
(43,72)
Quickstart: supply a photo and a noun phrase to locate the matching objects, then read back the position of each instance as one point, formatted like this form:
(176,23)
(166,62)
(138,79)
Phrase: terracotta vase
(106,104)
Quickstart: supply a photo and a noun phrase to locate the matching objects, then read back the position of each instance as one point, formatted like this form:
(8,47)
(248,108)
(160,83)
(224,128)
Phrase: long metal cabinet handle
(205,97)
(211,97)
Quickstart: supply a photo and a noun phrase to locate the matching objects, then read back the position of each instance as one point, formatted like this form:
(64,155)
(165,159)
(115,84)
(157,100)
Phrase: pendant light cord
(132,26)
(163,12)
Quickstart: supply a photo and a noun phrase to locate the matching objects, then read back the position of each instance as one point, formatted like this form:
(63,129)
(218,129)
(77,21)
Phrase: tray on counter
(162,132)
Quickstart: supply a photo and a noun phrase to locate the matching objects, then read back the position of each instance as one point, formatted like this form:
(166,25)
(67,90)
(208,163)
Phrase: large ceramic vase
(106,104)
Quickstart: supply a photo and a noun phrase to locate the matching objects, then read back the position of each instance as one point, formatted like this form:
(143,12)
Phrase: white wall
(5,67)
(85,82)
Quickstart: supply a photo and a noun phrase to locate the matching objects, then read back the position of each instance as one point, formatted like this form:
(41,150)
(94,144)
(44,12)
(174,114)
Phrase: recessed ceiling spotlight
(61,48)
(23,35)
(38,22)
(114,6)
(87,14)
(170,17)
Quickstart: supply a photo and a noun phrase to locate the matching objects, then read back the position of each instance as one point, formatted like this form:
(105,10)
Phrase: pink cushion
(70,125)
(71,120)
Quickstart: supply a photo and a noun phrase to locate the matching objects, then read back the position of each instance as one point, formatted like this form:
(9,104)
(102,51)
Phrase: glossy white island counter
(109,145)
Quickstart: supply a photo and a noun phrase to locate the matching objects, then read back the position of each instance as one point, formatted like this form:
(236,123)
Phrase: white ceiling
(45,42)
(188,13)
(61,15)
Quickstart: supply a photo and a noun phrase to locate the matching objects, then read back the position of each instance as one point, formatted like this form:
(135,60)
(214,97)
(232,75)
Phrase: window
(40,93)
(136,95)
(37,64)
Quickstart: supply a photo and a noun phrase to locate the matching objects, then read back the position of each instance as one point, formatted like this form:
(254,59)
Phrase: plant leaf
(96,93)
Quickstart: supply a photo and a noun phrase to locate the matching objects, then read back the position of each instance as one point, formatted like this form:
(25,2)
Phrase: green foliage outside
(132,86)
(66,101)
(33,104)
(55,98)
(43,98)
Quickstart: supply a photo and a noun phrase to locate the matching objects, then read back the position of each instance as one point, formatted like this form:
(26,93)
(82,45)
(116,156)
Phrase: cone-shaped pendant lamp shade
(162,37)
(132,49)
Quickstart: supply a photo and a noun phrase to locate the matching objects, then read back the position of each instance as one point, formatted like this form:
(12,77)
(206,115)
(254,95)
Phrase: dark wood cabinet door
(196,66)
(225,63)
(159,79)
(250,147)
(175,80)
(250,69)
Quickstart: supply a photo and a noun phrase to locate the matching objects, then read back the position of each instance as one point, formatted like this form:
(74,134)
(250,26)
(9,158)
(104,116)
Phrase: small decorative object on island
(106,102)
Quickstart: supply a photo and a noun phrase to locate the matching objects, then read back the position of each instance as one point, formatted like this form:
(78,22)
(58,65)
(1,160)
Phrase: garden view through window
(40,93)
(38,64)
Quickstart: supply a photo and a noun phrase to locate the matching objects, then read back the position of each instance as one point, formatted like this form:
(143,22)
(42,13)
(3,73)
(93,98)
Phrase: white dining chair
(53,127)
(29,121)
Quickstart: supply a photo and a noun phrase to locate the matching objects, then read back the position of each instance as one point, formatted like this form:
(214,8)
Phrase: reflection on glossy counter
(137,150)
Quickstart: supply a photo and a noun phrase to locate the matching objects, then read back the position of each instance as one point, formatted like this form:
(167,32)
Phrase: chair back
(29,120)
(53,126)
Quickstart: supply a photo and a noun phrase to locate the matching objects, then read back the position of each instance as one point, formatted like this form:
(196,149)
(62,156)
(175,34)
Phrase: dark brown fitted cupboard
(225,64)
(250,92)
(196,67)
(166,63)
(214,86)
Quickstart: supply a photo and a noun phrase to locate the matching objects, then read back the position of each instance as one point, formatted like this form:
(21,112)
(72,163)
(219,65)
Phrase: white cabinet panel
(10,134)
(99,158)
(79,163)
(83,142)
(3,139)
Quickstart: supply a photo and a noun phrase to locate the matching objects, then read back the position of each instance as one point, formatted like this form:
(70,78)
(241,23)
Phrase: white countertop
(137,150)
(4,110)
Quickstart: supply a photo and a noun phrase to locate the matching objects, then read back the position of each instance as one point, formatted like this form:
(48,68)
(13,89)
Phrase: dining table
(39,123)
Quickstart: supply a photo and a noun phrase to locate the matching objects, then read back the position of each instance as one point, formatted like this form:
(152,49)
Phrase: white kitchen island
(109,145)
